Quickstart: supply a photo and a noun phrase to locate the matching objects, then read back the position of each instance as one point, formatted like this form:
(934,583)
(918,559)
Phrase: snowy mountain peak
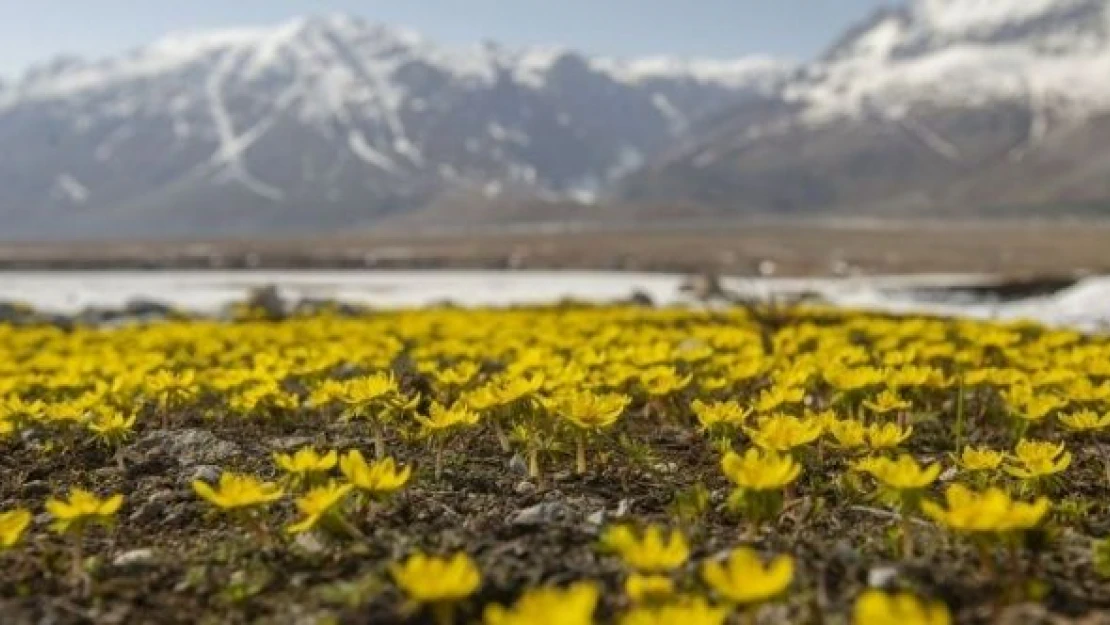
(973,18)
(337,118)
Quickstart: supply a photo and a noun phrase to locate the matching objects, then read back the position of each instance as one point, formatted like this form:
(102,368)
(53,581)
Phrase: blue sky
(32,31)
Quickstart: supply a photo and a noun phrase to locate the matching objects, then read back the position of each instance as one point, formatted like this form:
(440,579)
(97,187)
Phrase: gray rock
(35,488)
(136,558)
(546,513)
(882,576)
(309,542)
(524,487)
(518,465)
(289,443)
(205,472)
(188,447)
(597,518)
(148,511)
(268,299)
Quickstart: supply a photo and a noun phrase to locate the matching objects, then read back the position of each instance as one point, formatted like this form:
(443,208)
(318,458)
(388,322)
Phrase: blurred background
(925,154)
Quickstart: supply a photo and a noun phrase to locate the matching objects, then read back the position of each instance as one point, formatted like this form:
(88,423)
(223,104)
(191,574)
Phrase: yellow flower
(510,389)
(662,381)
(378,478)
(691,611)
(887,401)
(306,461)
(760,470)
(457,376)
(852,379)
(430,579)
(573,605)
(82,507)
(588,410)
(783,432)
(777,396)
(237,490)
(887,435)
(848,433)
(1038,459)
(980,459)
(111,426)
(363,391)
(642,588)
(1034,408)
(991,511)
(317,503)
(901,474)
(12,526)
(719,413)
(1085,421)
(875,607)
(442,418)
(649,552)
(744,579)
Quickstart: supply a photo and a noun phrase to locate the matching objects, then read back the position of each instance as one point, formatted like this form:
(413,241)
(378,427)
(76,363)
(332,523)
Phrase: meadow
(558,465)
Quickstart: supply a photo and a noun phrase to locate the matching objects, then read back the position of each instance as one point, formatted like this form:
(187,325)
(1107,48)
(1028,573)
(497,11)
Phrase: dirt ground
(804,248)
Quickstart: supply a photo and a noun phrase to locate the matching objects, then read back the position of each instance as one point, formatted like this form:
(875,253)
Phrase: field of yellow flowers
(555,466)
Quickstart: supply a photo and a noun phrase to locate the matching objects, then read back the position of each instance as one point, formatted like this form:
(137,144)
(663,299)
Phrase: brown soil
(795,248)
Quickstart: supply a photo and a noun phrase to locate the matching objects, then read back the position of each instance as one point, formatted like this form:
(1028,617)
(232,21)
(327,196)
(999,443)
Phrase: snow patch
(71,189)
(362,149)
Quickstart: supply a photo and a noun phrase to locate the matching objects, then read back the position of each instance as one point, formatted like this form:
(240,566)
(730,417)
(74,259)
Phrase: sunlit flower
(719,414)
(318,503)
(760,470)
(431,579)
(744,579)
(848,433)
(991,511)
(13,524)
(573,605)
(236,490)
(875,607)
(887,435)
(649,551)
(901,474)
(980,459)
(1036,459)
(81,508)
(588,410)
(687,611)
(784,432)
(381,477)
(644,588)
(306,461)
(886,402)
(442,417)
(1085,421)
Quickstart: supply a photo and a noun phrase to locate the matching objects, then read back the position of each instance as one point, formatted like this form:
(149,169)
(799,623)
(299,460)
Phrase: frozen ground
(1085,305)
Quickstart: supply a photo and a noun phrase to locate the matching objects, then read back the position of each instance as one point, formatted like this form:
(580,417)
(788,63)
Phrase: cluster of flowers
(822,396)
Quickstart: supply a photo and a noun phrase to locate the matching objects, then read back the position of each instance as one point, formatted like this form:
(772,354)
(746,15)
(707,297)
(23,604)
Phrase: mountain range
(327,123)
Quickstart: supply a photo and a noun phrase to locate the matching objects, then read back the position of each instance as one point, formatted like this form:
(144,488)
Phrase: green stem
(439,459)
(444,613)
(960,408)
(502,438)
(907,537)
(379,439)
(580,453)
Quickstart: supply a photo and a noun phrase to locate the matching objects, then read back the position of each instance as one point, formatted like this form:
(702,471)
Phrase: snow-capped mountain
(936,105)
(332,122)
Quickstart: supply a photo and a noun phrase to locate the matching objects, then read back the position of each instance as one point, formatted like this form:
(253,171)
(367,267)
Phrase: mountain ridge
(343,119)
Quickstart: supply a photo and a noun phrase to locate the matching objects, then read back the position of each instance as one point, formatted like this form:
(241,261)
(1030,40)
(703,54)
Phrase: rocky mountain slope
(332,122)
(969,106)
